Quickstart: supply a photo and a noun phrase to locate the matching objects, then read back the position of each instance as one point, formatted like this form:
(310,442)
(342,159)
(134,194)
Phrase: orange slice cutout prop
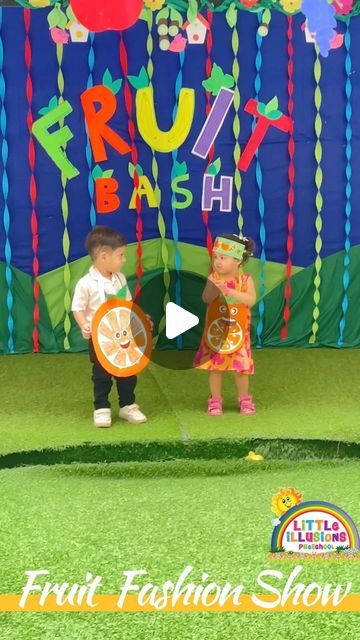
(122,338)
(225,326)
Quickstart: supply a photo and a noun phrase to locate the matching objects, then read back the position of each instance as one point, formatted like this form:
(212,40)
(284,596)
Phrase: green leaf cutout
(141,81)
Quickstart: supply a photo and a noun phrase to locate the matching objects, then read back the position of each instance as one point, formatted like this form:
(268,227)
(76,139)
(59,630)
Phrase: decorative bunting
(348,187)
(32,186)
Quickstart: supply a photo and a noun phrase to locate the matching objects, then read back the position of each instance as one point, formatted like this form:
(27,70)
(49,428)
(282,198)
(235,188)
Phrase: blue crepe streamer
(348,171)
(90,83)
(261,203)
(5,189)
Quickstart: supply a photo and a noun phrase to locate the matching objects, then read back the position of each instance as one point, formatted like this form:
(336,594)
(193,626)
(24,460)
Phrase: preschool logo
(313,527)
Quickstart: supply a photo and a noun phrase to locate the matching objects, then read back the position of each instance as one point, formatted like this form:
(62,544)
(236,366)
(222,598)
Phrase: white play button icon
(178,320)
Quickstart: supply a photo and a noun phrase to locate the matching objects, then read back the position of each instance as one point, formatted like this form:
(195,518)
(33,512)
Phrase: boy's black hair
(103,238)
(248,243)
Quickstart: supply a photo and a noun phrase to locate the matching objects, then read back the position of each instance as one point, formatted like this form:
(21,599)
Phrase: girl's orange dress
(240,361)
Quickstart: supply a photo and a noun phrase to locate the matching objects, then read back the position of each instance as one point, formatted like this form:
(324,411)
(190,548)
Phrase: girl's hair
(248,243)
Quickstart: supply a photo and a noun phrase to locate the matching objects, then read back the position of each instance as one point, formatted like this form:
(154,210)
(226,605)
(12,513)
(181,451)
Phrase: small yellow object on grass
(254,457)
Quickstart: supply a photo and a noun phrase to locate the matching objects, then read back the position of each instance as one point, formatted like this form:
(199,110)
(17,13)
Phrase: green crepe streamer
(65,213)
(236,122)
(318,199)
(157,191)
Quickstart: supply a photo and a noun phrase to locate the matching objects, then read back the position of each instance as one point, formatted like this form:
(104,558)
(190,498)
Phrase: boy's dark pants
(103,382)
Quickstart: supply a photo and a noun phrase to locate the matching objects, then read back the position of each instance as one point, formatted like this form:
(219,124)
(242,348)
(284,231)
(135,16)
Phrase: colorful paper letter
(164,141)
(53,142)
(107,200)
(144,189)
(96,121)
(213,123)
(181,191)
(224,194)
(284,123)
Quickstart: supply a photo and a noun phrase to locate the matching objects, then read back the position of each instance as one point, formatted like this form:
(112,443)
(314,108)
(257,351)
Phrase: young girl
(230,252)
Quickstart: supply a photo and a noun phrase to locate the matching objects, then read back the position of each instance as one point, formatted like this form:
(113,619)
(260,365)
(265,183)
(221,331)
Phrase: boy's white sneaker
(132,414)
(102,418)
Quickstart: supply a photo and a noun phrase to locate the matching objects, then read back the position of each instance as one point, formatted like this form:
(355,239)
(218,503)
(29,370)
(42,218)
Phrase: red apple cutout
(100,15)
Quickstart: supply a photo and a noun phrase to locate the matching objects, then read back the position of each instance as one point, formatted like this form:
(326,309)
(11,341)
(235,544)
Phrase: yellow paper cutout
(164,141)
(144,189)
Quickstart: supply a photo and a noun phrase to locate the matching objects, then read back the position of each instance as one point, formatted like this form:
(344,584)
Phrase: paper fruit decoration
(225,326)
(100,15)
(122,337)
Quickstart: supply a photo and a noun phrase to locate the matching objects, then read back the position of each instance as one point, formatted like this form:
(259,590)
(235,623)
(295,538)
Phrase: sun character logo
(284,500)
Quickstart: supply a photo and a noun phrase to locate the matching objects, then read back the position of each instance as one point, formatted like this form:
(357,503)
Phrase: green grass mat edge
(161,450)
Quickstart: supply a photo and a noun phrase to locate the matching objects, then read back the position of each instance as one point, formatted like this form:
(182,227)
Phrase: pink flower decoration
(59,36)
(231,284)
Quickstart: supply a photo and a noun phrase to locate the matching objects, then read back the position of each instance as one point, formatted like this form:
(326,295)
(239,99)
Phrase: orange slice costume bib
(225,344)
(121,337)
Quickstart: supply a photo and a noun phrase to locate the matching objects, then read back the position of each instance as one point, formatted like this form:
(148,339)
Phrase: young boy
(106,248)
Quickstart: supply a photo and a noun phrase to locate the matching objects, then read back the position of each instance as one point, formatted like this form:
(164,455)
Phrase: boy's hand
(86,330)
(150,321)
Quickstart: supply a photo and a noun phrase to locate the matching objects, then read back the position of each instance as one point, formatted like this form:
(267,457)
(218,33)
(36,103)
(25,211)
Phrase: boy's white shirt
(91,290)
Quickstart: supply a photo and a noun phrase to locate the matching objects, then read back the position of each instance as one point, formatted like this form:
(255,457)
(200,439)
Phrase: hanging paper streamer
(65,212)
(291,175)
(318,199)
(155,173)
(348,189)
(175,226)
(90,83)
(5,189)
(32,186)
(134,159)
(236,121)
(208,69)
(261,203)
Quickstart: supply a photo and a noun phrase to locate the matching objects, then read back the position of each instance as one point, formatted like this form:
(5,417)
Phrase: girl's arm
(247,297)
(210,292)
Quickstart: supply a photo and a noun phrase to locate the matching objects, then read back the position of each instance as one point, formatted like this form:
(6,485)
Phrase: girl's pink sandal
(215,407)
(246,405)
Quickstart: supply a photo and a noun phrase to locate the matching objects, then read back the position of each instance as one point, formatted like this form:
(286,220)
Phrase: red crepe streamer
(129,105)
(291,175)
(32,185)
(208,69)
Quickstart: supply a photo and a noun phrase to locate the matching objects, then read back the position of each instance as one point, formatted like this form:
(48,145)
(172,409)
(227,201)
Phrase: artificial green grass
(46,401)
(75,519)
